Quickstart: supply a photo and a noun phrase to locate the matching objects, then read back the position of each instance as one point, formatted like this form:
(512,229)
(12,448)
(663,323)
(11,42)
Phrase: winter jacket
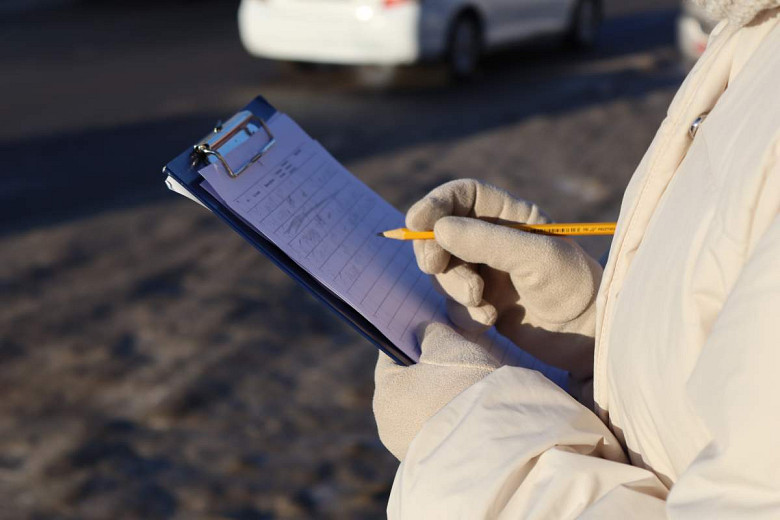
(687,420)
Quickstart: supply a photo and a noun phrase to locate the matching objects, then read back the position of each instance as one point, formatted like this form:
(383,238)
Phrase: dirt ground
(145,375)
(153,365)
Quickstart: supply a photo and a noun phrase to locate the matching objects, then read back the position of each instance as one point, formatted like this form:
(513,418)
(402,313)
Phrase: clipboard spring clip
(229,135)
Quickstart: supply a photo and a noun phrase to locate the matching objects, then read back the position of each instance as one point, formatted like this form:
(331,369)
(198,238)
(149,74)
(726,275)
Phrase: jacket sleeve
(516,446)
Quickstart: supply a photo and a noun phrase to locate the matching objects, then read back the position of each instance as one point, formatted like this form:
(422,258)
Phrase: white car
(693,30)
(398,32)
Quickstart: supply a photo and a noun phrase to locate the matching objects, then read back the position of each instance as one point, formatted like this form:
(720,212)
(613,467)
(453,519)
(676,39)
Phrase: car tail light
(393,3)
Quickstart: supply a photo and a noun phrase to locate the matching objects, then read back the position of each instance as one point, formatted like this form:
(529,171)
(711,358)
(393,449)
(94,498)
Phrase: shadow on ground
(82,172)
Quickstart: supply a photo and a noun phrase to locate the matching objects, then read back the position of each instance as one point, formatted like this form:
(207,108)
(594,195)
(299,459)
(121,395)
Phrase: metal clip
(227,136)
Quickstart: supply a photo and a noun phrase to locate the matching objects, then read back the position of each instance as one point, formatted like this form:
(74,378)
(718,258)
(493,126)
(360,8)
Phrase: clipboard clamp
(227,136)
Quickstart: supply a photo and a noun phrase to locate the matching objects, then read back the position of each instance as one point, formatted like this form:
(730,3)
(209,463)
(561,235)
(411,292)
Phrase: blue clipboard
(182,176)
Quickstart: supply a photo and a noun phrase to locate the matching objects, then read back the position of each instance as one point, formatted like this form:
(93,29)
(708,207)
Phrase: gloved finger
(443,346)
(464,197)
(442,201)
(431,258)
(476,318)
(496,205)
(545,270)
(499,290)
(461,282)
(468,318)
(472,198)
(501,247)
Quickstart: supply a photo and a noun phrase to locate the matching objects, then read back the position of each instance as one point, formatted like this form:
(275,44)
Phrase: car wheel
(465,47)
(586,20)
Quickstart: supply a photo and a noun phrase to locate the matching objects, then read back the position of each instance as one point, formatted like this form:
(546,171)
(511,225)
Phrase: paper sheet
(327,221)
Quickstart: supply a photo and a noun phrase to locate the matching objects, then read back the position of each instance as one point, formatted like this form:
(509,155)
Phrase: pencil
(558,229)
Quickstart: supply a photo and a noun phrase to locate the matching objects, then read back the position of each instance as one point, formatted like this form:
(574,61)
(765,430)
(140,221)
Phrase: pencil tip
(380,234)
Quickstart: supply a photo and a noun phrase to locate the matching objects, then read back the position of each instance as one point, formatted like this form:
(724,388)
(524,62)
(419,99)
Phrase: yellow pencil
(558,229)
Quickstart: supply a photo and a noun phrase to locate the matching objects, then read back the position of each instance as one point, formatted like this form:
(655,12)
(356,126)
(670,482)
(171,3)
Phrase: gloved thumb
(441,345)
(545,270)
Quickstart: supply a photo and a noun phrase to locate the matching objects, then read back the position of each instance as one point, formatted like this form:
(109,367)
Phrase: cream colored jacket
(687,342)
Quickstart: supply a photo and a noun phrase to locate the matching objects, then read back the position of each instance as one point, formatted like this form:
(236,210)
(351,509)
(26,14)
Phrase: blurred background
(152,364)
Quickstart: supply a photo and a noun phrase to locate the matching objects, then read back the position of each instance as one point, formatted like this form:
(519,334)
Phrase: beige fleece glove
(406,397)
(537,290)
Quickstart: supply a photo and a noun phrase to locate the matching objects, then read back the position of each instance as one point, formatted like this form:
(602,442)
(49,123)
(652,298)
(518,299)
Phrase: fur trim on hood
(739,12)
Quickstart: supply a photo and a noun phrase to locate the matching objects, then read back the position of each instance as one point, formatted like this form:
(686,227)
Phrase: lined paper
(326,220)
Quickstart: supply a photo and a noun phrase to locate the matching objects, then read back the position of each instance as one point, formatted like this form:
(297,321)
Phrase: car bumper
(330,32)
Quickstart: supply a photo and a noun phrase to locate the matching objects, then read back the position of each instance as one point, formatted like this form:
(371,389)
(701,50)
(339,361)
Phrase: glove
(406,397)
(537,290)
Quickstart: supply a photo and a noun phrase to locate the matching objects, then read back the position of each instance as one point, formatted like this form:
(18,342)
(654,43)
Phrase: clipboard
(182,176)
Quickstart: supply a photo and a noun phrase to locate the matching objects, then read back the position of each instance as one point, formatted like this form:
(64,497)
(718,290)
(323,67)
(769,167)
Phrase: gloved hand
(538,290)
(406,397)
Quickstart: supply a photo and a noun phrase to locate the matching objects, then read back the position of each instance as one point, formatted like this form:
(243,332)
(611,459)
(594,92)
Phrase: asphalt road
(97,97)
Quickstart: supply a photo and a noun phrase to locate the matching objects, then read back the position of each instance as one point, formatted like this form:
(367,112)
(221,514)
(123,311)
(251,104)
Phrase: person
(673,349)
